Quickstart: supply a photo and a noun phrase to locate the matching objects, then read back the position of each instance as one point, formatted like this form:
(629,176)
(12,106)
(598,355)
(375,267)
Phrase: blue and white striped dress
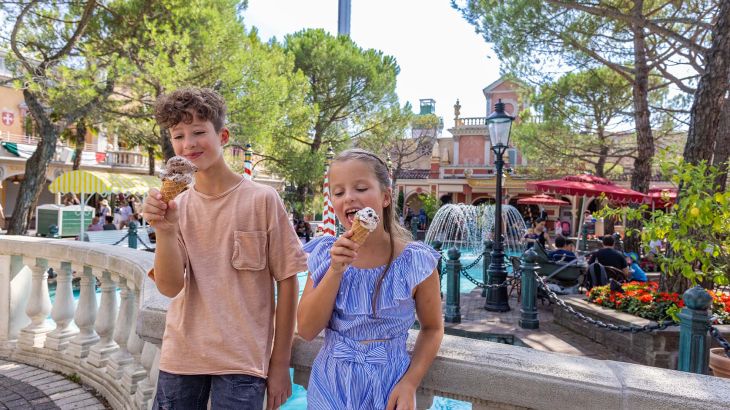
(351,375)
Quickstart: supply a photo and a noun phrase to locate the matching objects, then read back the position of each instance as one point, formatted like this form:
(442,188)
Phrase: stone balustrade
(126,159)
(98,342)
(471,121)
(93,340)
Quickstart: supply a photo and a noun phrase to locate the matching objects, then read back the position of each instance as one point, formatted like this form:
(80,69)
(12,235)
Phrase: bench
(119,237)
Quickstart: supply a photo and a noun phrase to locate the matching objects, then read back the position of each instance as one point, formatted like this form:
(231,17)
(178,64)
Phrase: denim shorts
(227,391)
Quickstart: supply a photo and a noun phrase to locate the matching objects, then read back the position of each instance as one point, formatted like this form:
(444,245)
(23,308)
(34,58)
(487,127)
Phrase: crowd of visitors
(105,218)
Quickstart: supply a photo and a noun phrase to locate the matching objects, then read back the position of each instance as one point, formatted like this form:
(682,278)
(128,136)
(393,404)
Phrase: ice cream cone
(365,221)
(359,232)
(171,189)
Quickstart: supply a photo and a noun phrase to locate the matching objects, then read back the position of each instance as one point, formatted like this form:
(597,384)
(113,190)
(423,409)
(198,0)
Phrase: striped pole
(328,213)
(247,165)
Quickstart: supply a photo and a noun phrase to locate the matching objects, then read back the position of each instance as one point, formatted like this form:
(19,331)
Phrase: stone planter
(658,348)
(719,362)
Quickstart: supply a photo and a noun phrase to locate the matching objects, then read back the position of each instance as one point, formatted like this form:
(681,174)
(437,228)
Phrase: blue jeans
(227,391)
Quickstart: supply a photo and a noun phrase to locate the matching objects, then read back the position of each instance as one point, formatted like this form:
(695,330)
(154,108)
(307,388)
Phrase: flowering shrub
(643,299)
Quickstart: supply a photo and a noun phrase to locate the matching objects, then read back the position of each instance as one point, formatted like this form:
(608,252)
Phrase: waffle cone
(171,189)
(359,232)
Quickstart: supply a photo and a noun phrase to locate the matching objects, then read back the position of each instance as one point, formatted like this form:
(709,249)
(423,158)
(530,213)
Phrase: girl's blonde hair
(390,223)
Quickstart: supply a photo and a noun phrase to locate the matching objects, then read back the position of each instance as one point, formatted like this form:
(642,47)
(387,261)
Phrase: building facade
(461,166)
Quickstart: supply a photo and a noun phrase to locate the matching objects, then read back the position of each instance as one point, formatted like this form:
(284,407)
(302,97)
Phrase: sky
(439,54)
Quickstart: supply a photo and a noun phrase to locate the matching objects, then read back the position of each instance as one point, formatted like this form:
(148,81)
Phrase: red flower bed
(643,299)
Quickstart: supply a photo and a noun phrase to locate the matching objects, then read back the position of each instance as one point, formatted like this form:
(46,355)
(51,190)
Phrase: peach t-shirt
(237,244)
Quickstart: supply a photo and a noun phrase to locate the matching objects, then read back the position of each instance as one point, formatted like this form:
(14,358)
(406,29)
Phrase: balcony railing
(471,121)
(126,159)
(99,342)
(18,139)
(91,154)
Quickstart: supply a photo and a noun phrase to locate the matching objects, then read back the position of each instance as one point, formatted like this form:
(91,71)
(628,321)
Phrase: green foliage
(697,228)
(401,201)
(349,94)
(264,96)
(430,203)
(580,115)
(74,378)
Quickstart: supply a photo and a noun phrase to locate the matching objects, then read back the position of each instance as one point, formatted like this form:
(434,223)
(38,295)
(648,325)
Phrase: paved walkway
(27,387)
(479,323)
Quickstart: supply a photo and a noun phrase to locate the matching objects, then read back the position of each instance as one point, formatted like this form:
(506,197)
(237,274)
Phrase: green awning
(19,150)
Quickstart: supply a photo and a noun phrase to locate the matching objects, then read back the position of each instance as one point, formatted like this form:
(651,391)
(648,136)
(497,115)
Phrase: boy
(221,246)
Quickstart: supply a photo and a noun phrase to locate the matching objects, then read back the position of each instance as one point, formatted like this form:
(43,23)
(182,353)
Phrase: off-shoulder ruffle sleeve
(318,260)
(413,266)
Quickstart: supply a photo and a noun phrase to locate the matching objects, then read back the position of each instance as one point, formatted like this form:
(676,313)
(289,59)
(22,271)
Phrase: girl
(365,298)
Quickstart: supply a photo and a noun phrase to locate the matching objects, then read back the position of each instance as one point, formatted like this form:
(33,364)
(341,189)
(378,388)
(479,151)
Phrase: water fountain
(468,226)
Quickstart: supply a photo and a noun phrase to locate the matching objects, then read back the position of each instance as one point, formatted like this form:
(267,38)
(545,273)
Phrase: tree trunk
(722,153)
(644,140)
(167,151)
(151,160)
(601,163)
(710,93)
(79,140)
(35,167)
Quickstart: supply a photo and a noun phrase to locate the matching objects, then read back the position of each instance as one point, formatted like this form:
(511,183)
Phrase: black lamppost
(500,126)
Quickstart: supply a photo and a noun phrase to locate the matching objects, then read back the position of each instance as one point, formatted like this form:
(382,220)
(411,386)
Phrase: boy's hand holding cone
(176,177)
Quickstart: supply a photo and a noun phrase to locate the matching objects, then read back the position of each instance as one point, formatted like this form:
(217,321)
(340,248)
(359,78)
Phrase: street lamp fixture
(500,127)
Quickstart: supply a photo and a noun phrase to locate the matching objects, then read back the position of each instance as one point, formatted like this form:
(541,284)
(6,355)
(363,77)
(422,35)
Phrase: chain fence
(720,340)
(145,244)
(121,240)
(473,280)
(610,326)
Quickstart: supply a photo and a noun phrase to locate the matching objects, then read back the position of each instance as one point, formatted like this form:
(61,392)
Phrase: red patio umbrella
(588,186)
(542,199)
(662,197)
(565,186)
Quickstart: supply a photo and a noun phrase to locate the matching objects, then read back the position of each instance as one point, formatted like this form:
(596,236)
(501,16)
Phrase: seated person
(95,225)
(610,257)
(635,270)
(565,250)
(530,238)
(109,225)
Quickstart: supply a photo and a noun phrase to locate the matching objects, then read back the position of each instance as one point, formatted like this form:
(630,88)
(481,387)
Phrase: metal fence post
(528,311)
(132,235)
(694,340)
(437,245)
(486,261)
(453,272)
(414,227)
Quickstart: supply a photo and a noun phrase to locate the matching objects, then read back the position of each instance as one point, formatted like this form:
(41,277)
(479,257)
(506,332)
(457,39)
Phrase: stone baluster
(63,311)
(17,280)
(135,372)
(39,306)
(85,316)
(121,357)
(105,320)
(146,388)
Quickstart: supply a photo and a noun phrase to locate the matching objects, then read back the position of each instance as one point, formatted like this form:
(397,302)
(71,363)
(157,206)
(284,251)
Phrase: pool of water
(298,400)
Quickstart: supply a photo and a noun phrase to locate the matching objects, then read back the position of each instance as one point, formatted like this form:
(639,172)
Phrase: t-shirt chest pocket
(249,250)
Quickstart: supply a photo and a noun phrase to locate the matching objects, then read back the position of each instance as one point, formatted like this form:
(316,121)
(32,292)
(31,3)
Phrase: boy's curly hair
(178,106)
